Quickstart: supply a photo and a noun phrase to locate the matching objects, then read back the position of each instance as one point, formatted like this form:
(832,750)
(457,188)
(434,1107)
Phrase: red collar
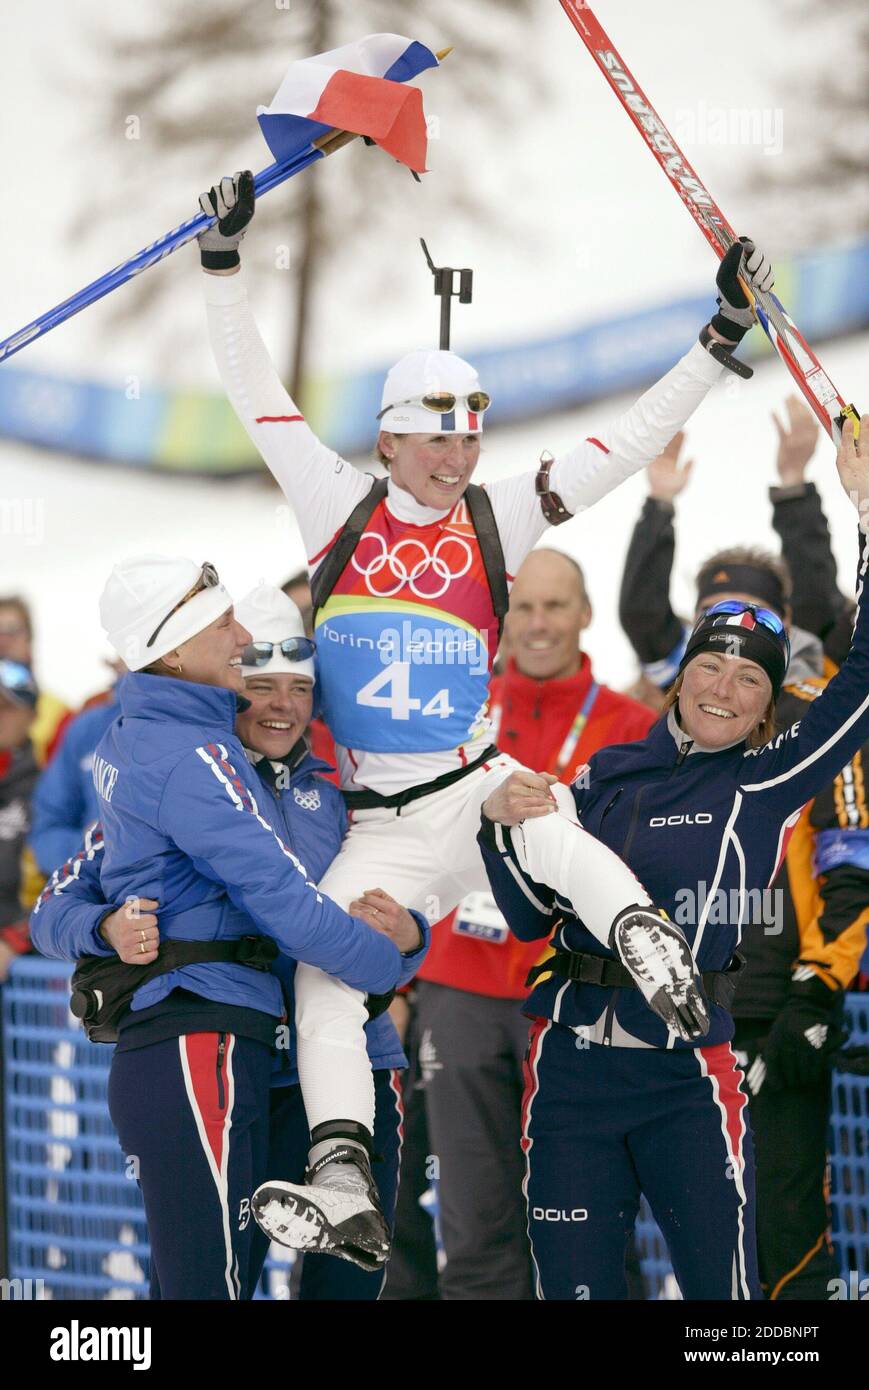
(522,687)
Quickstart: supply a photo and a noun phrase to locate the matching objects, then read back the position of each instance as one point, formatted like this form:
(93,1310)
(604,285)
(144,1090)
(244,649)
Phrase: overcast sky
(606,230)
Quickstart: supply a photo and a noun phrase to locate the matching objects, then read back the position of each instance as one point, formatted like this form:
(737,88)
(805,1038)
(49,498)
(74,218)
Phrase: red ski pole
(774,319)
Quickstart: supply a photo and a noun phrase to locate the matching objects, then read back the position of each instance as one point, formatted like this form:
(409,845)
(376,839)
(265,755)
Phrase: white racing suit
(405,644)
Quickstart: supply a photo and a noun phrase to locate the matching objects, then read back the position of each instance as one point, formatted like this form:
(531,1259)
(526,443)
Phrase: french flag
(746,619)
(358,88)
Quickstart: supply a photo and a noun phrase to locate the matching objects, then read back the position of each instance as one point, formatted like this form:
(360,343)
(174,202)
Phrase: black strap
(339,556)
(482,519)
(584,969)
(368,800)
(724,355)
(102,986)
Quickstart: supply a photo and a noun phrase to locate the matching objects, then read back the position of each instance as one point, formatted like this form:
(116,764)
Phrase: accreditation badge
(477,917)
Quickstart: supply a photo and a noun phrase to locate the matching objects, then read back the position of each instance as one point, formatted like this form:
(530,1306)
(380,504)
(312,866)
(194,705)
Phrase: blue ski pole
(264,181)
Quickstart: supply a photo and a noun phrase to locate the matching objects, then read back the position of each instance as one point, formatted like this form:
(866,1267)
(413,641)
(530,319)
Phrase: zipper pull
(684,751)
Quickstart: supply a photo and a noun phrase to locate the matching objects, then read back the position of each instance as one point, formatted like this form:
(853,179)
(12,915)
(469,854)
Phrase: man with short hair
(550,713)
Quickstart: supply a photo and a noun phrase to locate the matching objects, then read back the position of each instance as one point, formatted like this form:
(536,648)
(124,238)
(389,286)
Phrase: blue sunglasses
(760,615)
(765,616)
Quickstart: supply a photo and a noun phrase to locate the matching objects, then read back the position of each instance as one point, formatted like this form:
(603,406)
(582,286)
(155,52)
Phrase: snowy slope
(73,520)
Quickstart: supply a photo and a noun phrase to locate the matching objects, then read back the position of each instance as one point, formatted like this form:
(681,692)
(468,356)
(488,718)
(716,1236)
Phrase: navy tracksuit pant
(193,1112)
(326,1276)
(602,1125)
(197,1117)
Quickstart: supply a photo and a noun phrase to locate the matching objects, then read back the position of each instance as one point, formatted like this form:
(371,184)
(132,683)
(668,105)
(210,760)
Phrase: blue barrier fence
(75,1214)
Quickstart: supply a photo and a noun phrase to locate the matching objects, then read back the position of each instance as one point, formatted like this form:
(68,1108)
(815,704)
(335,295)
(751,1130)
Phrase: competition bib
(406,640)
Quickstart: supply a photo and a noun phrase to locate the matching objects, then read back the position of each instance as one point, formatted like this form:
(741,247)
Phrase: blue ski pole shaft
(264,181)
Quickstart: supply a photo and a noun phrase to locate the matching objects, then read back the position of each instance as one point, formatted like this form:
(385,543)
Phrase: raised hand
(667,477)
(796,441)
(742,261)
(232,202)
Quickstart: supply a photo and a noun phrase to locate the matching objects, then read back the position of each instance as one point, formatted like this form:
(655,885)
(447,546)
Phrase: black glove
(232,202)
(736,315)
(804,1036)
(656,953)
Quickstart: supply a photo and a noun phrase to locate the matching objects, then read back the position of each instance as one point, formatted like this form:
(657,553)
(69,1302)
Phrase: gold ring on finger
(142,947)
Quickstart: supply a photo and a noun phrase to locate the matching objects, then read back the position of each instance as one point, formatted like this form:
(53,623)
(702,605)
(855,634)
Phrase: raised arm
(798,763)
(656,634)
(321,487)
(798,517)
(588,472)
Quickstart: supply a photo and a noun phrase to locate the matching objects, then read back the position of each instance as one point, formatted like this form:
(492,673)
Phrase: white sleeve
(320,486)
(597,465)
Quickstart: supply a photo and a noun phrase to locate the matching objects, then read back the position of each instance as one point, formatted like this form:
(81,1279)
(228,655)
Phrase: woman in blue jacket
(622,1096)
(185,826)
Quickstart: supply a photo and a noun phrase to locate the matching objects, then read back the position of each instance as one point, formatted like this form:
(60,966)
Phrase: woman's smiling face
(722,699)
(434,468)
(280,711)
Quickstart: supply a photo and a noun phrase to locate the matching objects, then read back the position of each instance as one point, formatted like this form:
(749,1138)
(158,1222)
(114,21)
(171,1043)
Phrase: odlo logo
(556,1214)
(701,818)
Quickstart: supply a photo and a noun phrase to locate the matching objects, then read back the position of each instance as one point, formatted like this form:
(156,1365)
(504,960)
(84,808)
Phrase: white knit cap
(138,595)
(270,616)
(423,373)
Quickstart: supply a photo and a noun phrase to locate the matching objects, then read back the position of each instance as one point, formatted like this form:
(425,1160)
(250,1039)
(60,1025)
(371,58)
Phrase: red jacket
(541,724)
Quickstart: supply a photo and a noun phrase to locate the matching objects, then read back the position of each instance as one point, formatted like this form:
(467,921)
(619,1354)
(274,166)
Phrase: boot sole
(327,1239)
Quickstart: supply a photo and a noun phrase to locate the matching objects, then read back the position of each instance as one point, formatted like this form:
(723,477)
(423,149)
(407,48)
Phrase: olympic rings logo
(391,565)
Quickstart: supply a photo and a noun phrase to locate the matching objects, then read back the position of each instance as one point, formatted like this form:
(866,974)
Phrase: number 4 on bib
(399,702)
(439,704)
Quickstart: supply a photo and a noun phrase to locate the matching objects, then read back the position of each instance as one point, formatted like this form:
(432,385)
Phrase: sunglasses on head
(208,579)
(292,649)
(765,616)
(442,402)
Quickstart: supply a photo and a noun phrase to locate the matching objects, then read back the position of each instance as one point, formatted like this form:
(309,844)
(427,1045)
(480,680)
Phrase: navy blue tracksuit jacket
(615,1105)
(705,833)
